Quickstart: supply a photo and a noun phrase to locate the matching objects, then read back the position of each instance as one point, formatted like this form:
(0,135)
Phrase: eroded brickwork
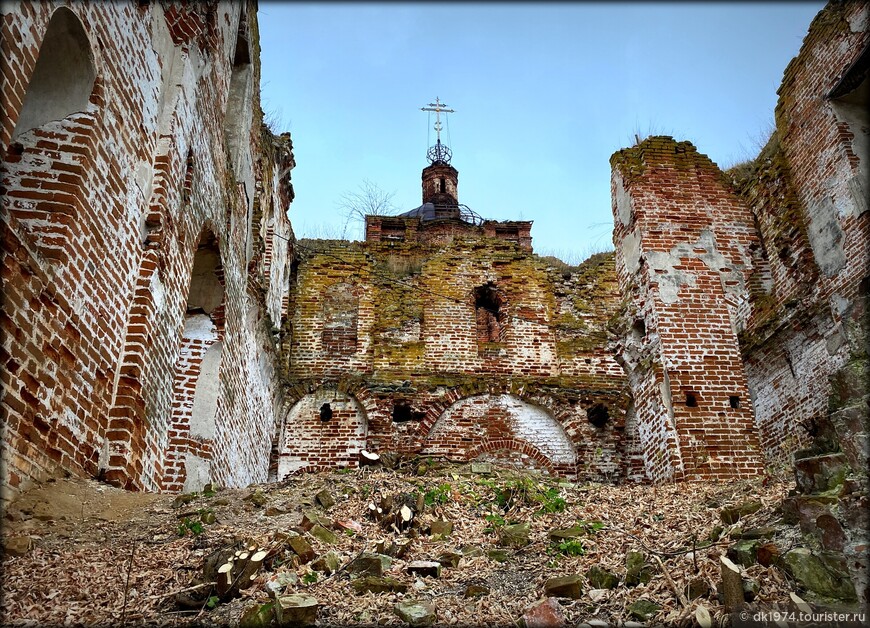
(808,191)
(105,201)
(754,281)
(464,347)
(684,246)
(162,328)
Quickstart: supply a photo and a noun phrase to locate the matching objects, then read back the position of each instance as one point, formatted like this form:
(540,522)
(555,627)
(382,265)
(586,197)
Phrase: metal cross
(437,107)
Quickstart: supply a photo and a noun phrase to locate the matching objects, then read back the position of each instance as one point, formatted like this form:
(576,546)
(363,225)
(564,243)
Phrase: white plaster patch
(631,251)
(623,200)
(200,327)
(158,292)
(205,397)
(826,237)
(670,280)
(198,473)
(143,178)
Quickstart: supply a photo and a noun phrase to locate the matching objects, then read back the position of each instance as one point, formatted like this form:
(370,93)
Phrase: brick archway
(487,422)
(301,390)
(511,444)
(435,409)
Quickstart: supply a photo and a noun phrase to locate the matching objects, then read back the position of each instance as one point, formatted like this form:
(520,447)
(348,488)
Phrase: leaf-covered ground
(100,556)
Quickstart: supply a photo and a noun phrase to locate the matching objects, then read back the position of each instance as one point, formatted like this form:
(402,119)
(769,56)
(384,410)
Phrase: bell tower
(440,179)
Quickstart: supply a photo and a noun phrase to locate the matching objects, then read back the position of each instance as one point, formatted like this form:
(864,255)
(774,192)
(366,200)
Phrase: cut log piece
(702,616)
(368,458)
(225,579)
(386,504)
(401,547)
(732,584)
(250,569)
(214,561)
(406,515)
(395,549)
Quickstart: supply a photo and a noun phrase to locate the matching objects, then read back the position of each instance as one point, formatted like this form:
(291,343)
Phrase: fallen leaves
(78,570)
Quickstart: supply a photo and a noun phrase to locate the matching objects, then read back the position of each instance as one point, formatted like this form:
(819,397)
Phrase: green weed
(310,577)
(438,495)
(568,547)
(192,526)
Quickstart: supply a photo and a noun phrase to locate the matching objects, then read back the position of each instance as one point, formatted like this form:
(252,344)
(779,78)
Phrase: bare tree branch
(368,200)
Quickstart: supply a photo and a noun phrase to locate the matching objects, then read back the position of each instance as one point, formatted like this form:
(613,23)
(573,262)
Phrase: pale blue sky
(543,93)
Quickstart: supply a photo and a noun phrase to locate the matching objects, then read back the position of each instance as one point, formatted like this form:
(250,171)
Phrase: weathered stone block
(813,574)
(564,586)
(378,584)
(545,614)
(328,563)
(818,474)
(643,609)
(515,535)
(637,571)
(601,579)
(324,535)
(416,613)
(743,552)
(732,514)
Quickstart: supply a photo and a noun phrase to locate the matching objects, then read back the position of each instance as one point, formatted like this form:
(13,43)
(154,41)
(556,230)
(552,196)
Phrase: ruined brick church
(163,327)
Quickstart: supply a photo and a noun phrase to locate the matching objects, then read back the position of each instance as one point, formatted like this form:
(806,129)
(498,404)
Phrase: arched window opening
(851,104)
(197,373)
(489,314)
(64,76)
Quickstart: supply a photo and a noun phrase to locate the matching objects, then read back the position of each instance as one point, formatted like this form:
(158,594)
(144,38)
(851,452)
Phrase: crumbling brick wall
(808,191)
(684,245)
(418,348)
(104,206)
(793,280)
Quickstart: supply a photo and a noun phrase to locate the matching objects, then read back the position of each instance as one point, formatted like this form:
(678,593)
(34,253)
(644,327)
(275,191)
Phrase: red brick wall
(487,423)
(683,254)
(418,345)
(808,190)
(308,442)
(102,213)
